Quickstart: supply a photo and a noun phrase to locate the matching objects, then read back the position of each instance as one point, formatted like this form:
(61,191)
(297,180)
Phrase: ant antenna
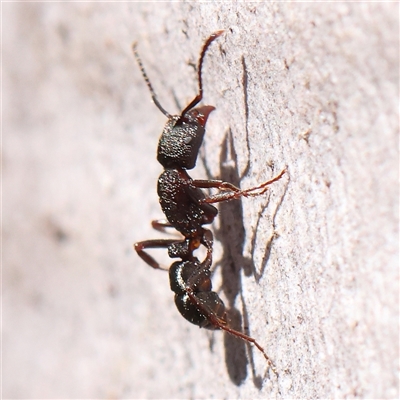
(146,78)
(199,96)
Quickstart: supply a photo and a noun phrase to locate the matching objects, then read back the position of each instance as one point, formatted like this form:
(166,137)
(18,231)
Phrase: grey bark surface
(310,269)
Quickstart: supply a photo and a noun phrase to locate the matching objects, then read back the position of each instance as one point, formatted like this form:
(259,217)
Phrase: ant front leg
(152,244)
(232,192)
(199,96)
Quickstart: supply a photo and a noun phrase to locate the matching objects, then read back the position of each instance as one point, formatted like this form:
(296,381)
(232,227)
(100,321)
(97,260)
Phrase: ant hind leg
(220,323)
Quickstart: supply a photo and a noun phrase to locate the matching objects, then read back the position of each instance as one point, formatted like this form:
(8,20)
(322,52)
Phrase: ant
(188,209)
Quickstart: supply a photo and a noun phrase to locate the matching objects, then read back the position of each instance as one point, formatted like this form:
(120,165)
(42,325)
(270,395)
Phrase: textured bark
(311,268)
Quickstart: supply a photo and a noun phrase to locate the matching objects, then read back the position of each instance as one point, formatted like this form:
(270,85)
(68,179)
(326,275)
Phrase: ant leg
(161,225)
(233,192)
(220,323)
(247,338)
(199,96)
(152,244)
(207,240)
(205,265)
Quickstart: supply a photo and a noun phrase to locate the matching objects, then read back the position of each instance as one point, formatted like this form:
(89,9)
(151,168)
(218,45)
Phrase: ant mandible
(188,209)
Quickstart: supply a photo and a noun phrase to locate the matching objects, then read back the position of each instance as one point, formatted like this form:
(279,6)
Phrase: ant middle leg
(232,192)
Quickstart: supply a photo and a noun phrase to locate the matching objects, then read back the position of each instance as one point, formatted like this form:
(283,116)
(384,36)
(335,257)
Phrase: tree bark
(310,269)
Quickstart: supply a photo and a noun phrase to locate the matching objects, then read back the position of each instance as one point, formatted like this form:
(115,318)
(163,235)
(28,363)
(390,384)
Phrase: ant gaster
(188,209)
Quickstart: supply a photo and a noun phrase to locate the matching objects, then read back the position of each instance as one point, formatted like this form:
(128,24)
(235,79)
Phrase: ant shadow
(231,235)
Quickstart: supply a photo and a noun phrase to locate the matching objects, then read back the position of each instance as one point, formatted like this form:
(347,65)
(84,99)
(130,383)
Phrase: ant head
(183,134)
(182,137)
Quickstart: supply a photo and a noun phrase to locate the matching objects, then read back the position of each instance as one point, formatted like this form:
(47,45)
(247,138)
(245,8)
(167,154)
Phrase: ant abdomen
(185,274)
(193,314)
(194,298)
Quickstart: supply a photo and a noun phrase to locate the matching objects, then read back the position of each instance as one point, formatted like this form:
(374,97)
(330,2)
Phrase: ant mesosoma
(188,209)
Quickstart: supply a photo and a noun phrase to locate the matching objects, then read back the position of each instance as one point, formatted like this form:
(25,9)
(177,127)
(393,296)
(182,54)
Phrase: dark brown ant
(188,209)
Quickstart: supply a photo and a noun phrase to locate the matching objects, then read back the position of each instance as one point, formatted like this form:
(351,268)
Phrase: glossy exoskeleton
(195,300)
(187,209)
